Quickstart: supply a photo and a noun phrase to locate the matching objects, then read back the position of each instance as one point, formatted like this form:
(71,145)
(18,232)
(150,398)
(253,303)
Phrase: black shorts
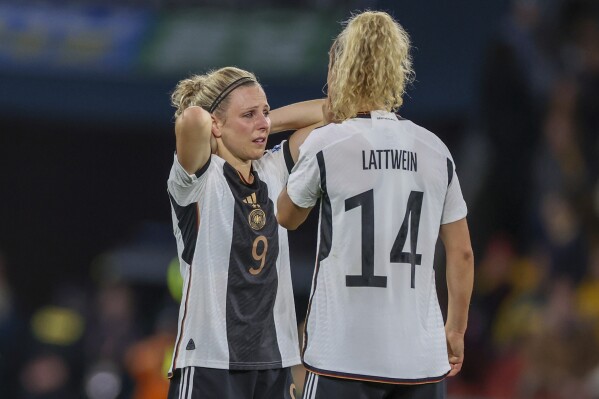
(208,383)
(321,387)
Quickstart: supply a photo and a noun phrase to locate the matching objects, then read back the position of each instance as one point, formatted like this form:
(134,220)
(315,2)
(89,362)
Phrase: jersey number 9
(259,255)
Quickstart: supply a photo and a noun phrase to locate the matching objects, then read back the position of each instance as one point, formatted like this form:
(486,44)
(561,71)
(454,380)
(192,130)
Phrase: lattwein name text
(390,159)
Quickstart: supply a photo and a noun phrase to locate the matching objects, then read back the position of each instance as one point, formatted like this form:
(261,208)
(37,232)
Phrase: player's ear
(213,144)
(216,126)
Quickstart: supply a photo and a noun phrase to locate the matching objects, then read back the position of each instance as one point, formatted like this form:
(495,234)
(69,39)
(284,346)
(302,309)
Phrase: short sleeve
(303,186)
(183,187)
(454,207)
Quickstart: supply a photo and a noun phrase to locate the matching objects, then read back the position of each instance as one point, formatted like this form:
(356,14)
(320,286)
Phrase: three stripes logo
(251,199)
(257,217)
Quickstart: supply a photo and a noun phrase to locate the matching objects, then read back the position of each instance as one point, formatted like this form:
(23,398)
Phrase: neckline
(243,180)
(368,114)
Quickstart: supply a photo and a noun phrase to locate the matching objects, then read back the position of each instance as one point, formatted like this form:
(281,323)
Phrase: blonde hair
(370,65)
(204,90)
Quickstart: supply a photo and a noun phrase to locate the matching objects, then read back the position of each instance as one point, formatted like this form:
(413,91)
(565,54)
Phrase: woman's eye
(248,114)
(266,113)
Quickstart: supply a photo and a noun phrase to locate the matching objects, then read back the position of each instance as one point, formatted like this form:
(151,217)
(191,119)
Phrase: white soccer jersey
(385,186)
(237,311)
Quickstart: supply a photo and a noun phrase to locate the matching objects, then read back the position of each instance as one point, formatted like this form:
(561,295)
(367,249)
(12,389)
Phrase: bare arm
(296,116)
(303,117)
(290,215)
(298,137)
(193,130)
(460,279)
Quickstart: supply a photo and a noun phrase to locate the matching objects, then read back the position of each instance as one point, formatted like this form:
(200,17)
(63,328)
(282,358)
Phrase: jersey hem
(454,218)
(204,167)
(372,378)
(240,366)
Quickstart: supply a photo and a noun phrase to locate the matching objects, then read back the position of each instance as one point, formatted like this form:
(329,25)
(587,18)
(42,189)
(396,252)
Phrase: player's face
(247,123)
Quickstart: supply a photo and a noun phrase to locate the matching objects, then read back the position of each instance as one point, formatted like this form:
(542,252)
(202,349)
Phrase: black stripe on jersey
(288,158)
(372,378)
(326,221)
(325,237)
(204,168)
(251,333)
(449,171)
(183,319)
(188,220)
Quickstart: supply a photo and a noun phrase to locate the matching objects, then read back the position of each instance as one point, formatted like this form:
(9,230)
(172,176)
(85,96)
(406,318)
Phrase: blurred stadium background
(88,284)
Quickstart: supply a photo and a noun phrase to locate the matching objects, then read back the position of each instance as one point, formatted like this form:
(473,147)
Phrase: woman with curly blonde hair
(237,333)
(369,66)
(388,190)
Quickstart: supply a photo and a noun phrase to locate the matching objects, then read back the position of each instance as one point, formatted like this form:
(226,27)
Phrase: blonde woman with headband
(388,190)
(237,335)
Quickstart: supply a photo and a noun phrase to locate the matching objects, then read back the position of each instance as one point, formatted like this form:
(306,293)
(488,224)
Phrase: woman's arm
(303,117)
(296,116)
(193,131)
(460,277)
(290,215)
(298,137)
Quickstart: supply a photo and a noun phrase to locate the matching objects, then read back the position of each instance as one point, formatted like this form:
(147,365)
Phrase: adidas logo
(251,199)
(190,345)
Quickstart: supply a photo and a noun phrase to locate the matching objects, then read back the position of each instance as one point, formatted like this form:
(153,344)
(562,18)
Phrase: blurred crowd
(534,326)
(109,340)
(534,321)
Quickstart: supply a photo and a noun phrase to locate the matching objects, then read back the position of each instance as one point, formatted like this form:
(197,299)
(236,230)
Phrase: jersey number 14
(411,221)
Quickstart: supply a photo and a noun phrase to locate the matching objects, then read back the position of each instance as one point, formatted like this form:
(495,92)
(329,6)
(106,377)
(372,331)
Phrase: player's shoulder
(274,160)
(214,167)
(325,135)
(324,129)
(215,162)
(276,148)
(426,136)
(272,154)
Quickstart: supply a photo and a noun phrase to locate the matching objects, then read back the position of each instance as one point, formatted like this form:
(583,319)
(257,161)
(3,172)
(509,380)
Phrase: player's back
(374,311)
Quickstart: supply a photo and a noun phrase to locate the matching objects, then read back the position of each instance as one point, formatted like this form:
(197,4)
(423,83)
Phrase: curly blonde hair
(369,65)
(203,90)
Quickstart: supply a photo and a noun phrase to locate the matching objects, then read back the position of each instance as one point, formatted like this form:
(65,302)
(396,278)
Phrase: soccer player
(237,335)
(388,189)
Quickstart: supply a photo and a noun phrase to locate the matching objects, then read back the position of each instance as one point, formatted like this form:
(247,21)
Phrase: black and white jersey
(237,311)
(385,185)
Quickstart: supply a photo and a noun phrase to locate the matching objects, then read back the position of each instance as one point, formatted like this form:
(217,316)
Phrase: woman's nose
(263,121)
